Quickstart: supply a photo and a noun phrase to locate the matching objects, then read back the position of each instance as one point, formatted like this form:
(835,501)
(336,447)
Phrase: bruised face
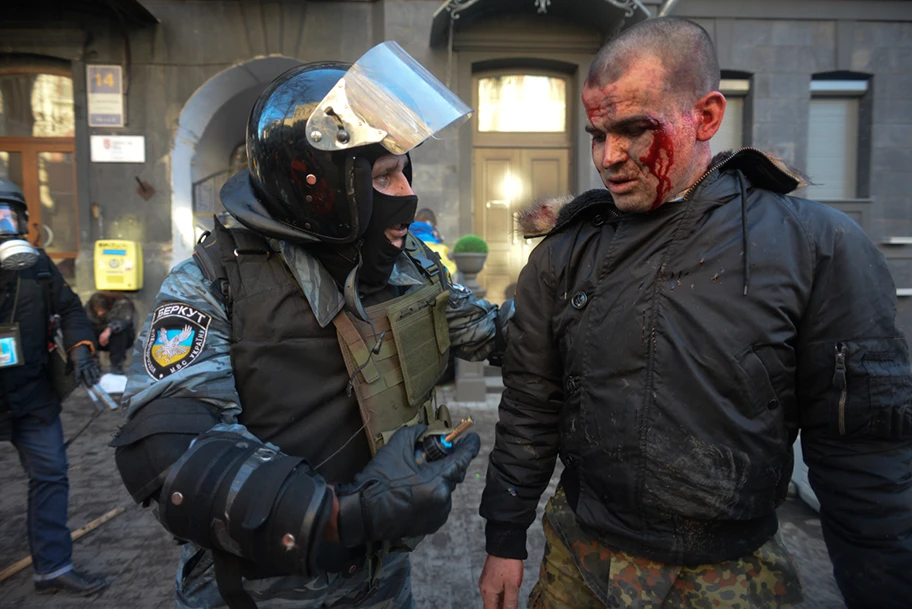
(389,178)
(648,146)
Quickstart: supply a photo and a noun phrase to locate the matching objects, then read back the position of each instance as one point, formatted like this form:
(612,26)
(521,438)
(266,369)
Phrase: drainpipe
(667,8)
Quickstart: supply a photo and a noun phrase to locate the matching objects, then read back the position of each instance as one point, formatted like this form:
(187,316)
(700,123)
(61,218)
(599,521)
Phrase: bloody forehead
(640,82)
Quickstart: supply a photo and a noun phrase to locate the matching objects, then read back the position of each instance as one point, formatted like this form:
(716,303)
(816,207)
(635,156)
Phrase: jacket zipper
(690,190)
(839,382)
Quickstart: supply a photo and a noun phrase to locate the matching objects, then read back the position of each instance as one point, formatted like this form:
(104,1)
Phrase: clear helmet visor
(385,98)
(12,223)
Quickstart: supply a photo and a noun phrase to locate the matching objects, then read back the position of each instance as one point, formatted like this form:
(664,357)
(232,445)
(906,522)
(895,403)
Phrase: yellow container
(118,265)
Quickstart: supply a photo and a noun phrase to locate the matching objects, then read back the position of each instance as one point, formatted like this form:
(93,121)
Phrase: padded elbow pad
(150,442)
(232,493)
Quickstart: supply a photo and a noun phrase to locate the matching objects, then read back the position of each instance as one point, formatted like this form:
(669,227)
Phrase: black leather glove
(87,371)
(394,497)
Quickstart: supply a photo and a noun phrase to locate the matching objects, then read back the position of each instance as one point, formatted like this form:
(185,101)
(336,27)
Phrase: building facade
(824,84)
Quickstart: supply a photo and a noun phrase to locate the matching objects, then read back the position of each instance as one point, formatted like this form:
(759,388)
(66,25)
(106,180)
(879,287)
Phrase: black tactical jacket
(27,389)
(672,382)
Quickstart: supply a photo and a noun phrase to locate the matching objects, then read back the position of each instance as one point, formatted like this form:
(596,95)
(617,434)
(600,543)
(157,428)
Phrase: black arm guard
(232,493)
(150,442)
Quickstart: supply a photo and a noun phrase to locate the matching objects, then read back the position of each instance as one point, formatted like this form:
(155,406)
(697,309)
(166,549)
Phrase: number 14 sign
(104,85)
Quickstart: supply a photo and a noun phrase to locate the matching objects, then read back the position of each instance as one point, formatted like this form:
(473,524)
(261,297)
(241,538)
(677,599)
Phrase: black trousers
(118,344)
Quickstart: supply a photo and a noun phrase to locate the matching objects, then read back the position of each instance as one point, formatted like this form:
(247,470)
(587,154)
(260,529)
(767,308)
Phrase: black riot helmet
(314,133)
(321,196)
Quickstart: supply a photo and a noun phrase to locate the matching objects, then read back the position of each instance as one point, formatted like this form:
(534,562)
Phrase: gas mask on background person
(16,253)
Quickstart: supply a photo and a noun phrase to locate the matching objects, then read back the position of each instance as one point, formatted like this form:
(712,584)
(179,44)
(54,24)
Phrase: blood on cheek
(659,160)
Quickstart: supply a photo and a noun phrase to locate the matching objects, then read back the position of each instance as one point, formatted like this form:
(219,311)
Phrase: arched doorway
(209,131)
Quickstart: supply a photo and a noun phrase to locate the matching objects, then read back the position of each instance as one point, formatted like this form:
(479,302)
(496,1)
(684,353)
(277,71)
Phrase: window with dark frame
(38,152)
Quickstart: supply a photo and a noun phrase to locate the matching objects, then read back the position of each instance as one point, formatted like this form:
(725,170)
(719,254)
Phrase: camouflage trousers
(196,587)
(578,572)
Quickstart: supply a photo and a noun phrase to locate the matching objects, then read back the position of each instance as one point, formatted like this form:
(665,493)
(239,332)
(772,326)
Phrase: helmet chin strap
(350,289)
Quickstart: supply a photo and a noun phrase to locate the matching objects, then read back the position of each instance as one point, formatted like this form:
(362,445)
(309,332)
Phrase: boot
(72,582)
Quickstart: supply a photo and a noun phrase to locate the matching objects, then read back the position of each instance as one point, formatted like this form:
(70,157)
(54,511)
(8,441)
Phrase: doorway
(506,181)
(211,125)
(521,155)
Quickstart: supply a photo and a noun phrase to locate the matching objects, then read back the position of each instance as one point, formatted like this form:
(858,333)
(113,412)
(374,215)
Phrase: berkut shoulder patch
(176,338)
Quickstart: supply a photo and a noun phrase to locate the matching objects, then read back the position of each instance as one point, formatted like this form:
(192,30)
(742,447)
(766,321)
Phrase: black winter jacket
(27,389)
(672,383)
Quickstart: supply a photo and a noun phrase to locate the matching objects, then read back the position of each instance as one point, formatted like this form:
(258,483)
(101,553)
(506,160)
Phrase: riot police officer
(285,375)
(31,290)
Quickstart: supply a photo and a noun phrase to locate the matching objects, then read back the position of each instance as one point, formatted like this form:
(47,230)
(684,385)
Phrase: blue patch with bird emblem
(176,338)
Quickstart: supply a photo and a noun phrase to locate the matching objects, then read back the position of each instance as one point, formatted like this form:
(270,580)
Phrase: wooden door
(507,180)
(45,170)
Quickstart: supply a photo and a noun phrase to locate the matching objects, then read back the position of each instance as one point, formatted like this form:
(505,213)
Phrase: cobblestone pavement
(139,556)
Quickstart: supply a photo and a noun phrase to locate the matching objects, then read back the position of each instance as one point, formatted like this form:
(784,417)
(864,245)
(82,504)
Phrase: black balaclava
(377,253)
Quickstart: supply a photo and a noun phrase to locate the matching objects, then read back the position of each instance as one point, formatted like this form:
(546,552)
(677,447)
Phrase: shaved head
(653,104)
(683,48)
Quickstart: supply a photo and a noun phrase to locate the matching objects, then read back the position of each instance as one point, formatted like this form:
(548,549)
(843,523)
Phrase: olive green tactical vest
(294,381)
(396,359)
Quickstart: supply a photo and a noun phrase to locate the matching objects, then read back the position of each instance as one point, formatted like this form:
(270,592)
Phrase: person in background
(112,318)
(425,228)
(31,289)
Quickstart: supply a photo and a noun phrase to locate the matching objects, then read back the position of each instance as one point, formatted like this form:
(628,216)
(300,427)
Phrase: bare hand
(500,581)
(104,337)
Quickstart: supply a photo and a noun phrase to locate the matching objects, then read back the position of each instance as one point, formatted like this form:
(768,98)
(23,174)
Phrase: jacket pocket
(873,390)
(763,397)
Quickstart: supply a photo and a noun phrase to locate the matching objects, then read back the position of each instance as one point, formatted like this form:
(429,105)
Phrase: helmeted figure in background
(31,291)
(678,328)
(285,375)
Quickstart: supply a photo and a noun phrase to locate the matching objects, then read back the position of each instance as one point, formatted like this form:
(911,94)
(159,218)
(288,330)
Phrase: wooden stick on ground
(20,565)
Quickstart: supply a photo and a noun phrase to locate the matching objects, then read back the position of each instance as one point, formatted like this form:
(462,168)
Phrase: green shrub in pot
(470,244)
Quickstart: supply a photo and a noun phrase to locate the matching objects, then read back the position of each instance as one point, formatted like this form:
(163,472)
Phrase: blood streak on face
(660,164)
(644,139)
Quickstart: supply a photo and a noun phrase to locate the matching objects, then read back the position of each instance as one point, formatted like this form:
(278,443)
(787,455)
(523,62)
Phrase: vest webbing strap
(349,337)
(229,582)
(359,349)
